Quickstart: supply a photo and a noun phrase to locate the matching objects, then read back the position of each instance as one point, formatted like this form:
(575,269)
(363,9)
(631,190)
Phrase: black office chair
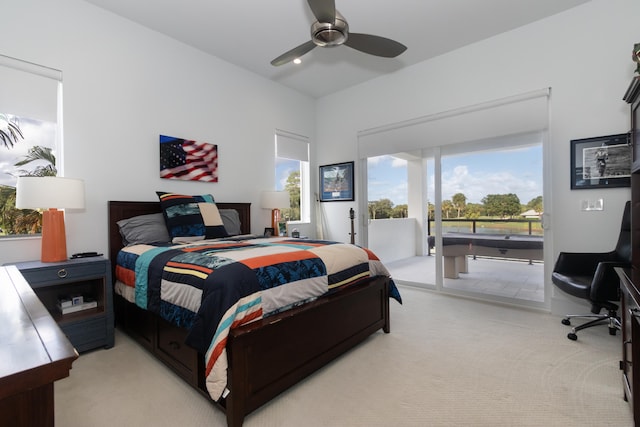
(591,276)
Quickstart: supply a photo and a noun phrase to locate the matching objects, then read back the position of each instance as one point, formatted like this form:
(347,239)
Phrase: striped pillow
(191,217)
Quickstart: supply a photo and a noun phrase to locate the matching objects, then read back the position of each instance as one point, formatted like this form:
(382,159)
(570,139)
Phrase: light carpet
(447,362)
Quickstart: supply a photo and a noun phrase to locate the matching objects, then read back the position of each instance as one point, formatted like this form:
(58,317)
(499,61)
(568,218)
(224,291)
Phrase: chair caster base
(572,336)
(566,321)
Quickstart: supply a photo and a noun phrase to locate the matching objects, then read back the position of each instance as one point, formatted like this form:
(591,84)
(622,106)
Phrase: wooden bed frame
(267,356)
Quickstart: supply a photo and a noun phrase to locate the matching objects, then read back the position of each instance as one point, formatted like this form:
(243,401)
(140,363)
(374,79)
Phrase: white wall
(583,54)
(123,86)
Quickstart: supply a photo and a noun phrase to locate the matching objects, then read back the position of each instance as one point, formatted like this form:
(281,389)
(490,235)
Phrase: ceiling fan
(331,29)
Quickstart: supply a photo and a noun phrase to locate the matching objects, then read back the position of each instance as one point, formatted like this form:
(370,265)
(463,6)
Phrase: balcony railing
(488,226)
(530,226)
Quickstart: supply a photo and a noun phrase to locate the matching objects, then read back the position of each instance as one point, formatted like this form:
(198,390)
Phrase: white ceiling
(250,33)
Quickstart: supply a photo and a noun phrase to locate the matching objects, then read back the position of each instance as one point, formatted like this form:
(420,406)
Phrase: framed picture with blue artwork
(336,182)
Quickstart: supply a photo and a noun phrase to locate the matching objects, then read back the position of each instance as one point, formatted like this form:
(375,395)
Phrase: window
(29,118)
(387,187)
(292,175)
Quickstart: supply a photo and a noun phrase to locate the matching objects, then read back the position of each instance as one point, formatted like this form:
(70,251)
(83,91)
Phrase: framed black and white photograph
(268,232)
(336,182)
(601,162)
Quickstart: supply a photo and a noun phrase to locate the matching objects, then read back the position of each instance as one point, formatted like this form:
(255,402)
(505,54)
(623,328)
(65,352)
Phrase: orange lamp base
(275,219)
(54,240)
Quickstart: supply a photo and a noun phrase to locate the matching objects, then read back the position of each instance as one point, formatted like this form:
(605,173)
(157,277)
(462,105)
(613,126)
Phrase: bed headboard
(121,210)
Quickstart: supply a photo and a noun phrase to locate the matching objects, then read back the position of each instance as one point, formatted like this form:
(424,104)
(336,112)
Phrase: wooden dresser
(34,353)
(630,313)
(630,278)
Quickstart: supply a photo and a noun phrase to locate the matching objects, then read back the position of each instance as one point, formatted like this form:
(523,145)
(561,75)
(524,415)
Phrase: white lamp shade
(274,199)
(44,192)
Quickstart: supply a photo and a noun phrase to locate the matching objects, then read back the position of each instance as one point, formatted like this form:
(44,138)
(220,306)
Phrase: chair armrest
(605,271)
(605,285)
(580,263)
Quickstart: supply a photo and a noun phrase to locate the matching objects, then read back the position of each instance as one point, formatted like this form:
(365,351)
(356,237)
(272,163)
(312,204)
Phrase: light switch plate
(592,205)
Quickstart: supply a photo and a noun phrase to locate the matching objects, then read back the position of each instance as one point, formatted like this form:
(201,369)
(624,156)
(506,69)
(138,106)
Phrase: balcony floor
(492,277)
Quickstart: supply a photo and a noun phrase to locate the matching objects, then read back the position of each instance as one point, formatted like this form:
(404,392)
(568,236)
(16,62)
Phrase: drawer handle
(175,345)
(62,273)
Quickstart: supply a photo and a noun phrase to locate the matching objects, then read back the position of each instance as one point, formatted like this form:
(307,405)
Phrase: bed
(265,356)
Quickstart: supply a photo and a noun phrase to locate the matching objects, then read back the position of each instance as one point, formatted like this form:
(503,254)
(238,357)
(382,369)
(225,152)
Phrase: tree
(9,134)
(8,210)
(25,221)
(9,130)
(293,188)
(45,154)
(473,211)
(536,204)
(380,209)
(29,222)
(431,211)
(371,207)
(22,221)
(400,211)
(502,205)
(459,201)
(447,208)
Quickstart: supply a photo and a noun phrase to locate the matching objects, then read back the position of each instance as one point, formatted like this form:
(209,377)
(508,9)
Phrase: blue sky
(284,167)
(475,175)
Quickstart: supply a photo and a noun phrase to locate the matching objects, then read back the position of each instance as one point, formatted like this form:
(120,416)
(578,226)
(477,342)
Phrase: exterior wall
(393,239)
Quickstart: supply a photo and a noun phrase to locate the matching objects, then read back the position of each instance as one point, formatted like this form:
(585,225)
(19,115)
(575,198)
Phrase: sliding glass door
(469,170)
(492,240)
(462,219)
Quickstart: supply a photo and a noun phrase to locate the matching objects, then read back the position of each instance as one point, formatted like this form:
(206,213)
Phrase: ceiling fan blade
(323,10)
(375,45)
(294,53)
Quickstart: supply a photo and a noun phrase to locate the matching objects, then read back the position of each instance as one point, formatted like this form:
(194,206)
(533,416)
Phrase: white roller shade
(520,114)
(291,146)
(29,90)
(498,143)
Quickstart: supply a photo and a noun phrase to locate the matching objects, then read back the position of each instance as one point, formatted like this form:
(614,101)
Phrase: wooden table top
(33,349)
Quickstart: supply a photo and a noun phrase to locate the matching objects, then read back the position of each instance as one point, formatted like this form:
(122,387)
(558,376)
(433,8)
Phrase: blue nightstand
(90,278)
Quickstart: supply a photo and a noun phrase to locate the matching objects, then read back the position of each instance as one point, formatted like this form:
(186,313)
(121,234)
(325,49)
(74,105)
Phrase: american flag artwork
(188,160)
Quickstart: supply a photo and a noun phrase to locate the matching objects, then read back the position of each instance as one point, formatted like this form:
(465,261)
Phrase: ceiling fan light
(326,34)
(297,61)
(330,38)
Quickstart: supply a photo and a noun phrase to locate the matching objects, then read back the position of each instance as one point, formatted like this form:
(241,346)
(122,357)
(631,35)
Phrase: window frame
(289,146)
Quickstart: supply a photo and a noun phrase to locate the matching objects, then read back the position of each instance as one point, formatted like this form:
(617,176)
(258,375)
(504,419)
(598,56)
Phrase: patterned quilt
(212,286)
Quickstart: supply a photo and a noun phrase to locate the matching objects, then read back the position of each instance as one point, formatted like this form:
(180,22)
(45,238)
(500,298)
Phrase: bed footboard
(269,356)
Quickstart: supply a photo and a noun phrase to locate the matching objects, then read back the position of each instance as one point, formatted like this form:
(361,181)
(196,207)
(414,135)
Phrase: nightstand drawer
(62,273)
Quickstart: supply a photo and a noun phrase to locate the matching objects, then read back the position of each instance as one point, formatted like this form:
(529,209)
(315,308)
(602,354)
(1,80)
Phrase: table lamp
(275,200)
(51,193)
